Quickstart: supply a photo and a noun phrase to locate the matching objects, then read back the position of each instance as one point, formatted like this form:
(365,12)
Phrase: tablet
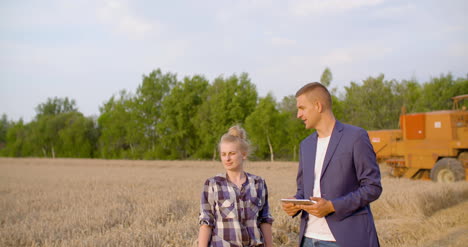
(299,201)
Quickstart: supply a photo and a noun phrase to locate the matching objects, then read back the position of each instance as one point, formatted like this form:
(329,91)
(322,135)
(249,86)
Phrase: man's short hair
(322,94)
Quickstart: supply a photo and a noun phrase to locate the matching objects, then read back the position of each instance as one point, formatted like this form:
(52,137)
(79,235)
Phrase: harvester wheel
(448,170)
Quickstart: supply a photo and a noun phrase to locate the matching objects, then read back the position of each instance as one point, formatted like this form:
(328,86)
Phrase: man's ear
(318,106)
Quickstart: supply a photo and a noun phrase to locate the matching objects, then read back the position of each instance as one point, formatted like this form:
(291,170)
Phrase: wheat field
(83,202)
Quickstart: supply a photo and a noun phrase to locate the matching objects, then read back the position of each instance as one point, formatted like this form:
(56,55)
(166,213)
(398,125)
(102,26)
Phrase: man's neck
(326,126)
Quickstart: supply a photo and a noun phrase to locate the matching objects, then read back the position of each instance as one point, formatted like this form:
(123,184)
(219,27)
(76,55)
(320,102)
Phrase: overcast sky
(89,50)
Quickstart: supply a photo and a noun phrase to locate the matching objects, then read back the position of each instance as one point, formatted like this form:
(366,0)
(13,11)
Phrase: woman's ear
(244,155)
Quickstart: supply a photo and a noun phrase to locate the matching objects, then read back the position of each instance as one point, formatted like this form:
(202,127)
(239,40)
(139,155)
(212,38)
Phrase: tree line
(168,118)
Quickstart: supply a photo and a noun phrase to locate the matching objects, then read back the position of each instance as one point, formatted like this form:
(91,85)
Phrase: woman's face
(232,156)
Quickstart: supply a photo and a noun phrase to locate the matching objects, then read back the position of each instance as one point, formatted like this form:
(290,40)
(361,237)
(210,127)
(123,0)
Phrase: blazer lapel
(334,141)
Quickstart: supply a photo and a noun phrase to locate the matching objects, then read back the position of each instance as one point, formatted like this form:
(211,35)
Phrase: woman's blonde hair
(236,134)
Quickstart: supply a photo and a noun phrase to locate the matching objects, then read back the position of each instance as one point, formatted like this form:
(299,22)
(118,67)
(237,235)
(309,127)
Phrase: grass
(80,202)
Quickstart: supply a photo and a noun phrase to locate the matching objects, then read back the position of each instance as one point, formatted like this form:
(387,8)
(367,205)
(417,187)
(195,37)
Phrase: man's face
(307,111)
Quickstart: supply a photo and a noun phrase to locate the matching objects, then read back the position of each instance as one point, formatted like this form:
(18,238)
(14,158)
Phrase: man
(337,170)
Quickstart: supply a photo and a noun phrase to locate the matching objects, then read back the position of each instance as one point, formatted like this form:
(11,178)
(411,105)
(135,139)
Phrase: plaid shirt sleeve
(206,216)
(264,215)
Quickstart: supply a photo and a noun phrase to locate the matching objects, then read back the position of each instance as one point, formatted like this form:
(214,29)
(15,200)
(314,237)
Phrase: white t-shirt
(318,227)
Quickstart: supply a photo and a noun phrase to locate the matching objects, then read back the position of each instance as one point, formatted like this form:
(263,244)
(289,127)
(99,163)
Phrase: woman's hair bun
(238,135)
(237,131)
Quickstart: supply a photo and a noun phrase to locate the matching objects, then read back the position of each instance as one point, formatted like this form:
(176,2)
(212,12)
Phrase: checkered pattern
(235,214)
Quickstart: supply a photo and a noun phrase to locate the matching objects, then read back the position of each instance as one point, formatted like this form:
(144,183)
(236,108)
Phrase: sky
(90,50)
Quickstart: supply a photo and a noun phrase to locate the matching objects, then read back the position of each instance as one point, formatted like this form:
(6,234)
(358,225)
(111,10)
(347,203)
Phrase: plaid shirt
(235,214)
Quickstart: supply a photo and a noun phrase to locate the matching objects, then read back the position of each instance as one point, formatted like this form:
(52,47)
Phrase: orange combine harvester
(429,145)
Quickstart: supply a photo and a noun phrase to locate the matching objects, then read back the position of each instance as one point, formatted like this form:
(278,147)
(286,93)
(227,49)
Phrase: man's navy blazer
(350,179)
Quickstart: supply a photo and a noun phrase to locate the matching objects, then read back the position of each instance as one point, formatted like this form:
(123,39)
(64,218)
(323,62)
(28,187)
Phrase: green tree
(115,126)
(148,109)
(4,125)
(78,136)
(326,77)
(373,104)
(293,128)
(129,125)
(47,124)
(263,126)
(58,130)
(409,94)
(437,93)
(55,106)
(179,137)
(45,134)
(15,139)
(227,101)
(337,107)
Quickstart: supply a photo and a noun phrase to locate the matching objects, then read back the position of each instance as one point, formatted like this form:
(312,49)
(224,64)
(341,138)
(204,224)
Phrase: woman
(234,205)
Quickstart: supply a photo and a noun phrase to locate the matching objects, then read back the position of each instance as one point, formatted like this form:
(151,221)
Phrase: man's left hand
(322,208)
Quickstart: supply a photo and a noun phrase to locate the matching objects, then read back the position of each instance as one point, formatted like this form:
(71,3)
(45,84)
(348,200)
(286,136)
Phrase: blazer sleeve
(367,171)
